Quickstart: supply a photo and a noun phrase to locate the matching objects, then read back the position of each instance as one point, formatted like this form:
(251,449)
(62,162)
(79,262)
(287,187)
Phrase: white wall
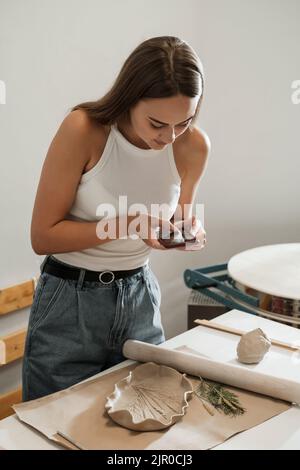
(57,53)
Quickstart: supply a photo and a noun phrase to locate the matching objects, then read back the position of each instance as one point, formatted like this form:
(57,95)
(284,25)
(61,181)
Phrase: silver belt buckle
(107,272)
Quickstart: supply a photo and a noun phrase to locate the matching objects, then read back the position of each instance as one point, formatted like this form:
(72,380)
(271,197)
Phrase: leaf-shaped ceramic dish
(151,397)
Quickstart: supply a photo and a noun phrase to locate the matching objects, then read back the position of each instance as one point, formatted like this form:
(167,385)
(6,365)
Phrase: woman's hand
(147,228)
(192,227)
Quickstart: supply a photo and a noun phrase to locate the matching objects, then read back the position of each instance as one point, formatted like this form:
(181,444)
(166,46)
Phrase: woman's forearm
(68,235)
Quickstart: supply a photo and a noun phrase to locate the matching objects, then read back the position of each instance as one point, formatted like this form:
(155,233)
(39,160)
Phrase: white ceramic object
(150,398)
(253,346)
(271,269)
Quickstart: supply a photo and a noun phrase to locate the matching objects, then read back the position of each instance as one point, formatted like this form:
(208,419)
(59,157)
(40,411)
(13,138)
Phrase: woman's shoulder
(192,150)
(96,135)
(198,141)
(81,121)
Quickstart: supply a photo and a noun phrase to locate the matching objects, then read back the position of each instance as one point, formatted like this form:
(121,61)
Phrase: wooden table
(280,432)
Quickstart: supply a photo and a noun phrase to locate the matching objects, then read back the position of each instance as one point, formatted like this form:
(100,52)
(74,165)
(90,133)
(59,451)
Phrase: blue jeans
(77,328)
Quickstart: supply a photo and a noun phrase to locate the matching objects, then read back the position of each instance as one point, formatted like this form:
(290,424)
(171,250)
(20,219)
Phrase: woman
(96,290)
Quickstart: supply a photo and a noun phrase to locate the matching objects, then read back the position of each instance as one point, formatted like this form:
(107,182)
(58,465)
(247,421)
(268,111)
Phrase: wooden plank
(12,346)
(234,331)
(7,400)
(17,297)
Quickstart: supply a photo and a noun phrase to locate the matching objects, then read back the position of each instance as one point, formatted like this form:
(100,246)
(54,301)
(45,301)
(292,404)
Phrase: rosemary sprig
(218,397)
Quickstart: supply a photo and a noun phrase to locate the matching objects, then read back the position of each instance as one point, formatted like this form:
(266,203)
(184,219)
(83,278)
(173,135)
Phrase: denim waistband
(79,275)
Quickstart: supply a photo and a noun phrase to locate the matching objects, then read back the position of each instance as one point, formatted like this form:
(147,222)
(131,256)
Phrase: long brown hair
(159,67)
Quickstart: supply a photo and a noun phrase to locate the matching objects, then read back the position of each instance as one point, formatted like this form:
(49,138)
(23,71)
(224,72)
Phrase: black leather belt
(54,267)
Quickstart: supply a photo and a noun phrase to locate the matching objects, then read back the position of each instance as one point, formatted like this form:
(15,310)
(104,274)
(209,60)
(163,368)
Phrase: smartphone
(172,242)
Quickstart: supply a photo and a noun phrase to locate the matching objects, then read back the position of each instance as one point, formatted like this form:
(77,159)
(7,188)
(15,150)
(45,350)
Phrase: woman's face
(159,121)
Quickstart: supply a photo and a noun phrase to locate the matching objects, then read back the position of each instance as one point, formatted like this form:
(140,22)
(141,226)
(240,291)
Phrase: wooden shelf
(12,346)
(7,400)
(16,297)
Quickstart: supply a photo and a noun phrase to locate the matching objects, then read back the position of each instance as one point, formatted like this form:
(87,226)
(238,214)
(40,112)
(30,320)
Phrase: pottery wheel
(271,269)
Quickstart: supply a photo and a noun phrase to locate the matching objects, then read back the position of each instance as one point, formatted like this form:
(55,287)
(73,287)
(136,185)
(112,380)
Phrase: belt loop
(80,279)
(43,263)
(145,273)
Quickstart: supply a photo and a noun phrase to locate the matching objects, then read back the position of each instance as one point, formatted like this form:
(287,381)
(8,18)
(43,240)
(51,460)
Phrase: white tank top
(145,176)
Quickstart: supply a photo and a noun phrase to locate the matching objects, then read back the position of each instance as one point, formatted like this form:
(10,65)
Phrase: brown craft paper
(79,413)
